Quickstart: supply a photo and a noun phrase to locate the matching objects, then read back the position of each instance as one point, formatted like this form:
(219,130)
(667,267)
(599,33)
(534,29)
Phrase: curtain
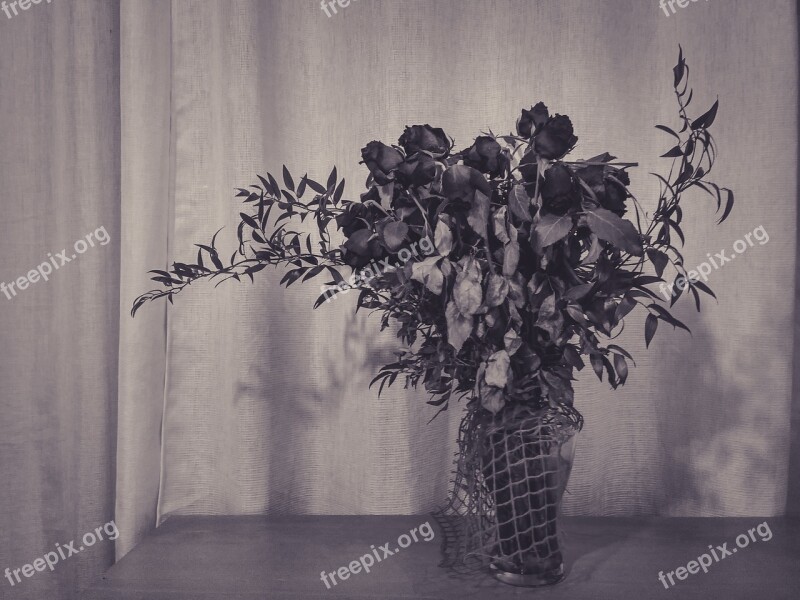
(60,169)
(267,408)
(142,117)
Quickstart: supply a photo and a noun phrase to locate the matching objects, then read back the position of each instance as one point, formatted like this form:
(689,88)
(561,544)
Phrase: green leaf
(496,290)
(611,228)
(287,178)
(492,399)
(467,295)
(626,305)
(573,357)
(597,365)
(665,315)
(673,153)
(359,241)
(510,258)
(512,342)
(428,273)
(659,260)
(679,69)
(443,238)
(276,189)
(705,121)
(550,229)
(332,179)
(292,276)
(650,326)
(499,225)
(519,203)
(394,235)
(668,130)
(621,367)
(337,195)
(578,291)
(728,206)
(317,187)
(478,216)
(498,369)
(250,221)
(703,287)
(459,327)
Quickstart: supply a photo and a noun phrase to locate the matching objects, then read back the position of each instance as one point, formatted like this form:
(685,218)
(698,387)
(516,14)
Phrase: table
(614,558)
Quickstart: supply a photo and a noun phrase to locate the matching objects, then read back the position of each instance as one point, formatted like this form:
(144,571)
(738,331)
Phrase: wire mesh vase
(512,470)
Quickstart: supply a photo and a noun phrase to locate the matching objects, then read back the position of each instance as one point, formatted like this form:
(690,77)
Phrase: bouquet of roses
(532,261)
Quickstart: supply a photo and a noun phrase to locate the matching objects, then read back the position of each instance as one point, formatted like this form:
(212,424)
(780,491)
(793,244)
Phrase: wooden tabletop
(232,558)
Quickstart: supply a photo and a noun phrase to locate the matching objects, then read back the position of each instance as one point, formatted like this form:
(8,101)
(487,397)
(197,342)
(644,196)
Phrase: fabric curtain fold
(60,170)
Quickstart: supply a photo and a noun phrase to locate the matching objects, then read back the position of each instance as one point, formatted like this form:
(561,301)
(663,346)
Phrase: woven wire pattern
(511,471)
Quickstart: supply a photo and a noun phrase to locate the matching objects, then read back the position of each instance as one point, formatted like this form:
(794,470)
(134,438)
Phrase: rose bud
(532,120)
(485,155)
(425,138)
(610,194)
(560,193)
(361,248)
(459,182)
(353,219)
(616,193)
(555,138)
(381,160)
(419,169)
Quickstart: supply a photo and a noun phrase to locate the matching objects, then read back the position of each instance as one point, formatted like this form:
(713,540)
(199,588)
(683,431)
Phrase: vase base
(530,580)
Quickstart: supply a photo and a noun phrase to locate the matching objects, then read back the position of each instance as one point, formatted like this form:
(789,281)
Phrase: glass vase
(526,458)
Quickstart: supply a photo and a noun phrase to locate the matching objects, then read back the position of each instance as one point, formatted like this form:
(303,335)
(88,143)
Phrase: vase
(525,458)
(511,472)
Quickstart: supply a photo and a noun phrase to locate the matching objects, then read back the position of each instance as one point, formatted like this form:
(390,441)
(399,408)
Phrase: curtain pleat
(146,172)
(60,169)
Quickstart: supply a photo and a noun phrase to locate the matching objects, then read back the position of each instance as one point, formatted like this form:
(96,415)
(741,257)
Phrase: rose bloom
(426,139)
(555,138)
(381,160)
(532,120)
(460,182)
(419,169)
(560,193)
(486,156)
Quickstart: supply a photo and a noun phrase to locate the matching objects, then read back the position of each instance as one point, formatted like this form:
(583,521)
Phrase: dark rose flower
(555,138)
(354,218)
(608,184)
(532,120)
(560,193)
(419,169)
(426,139)
(459,183)
(486,155)
(359,249)
(381,160)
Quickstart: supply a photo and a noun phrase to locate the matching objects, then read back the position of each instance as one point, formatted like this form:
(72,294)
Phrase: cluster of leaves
(535,265)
